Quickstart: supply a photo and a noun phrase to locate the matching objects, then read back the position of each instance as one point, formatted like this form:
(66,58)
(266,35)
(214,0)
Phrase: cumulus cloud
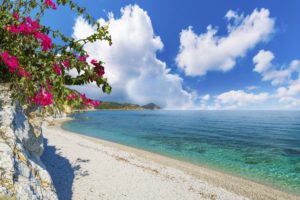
(286,78)
(290,102)
(132,67)
(262,61)
(291,90)
(264,66)
(240,98)
(199,54)
(289,95)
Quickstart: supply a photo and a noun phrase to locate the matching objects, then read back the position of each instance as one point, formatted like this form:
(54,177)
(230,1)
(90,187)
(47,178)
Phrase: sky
(192,54)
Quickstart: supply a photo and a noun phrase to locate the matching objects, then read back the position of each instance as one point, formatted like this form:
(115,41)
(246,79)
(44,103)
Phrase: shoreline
(240,186)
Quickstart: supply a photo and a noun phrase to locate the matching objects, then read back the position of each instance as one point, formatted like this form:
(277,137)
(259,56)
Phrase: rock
(22,173)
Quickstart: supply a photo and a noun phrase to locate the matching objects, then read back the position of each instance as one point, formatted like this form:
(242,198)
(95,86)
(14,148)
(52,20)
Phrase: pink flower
(46,42)
(95,103)
(94,62)
(83,97)
(57,69)
(23,73)
(13,29)
(10,61)
(28,20)
(43,98)
(5,56)
(49,3)
(32,26)
(86,103)
(16,16)
(69,97)
(66,64)
(99,70)
(26,28)
(83,58)
(35,25)
(72,96)
(89,102)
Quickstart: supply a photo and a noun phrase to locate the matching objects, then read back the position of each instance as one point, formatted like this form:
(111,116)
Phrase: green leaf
(55,33)
(106,88)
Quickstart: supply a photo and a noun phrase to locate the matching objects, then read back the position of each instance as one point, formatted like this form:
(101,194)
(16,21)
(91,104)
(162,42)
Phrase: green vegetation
(126,106)
(37,67)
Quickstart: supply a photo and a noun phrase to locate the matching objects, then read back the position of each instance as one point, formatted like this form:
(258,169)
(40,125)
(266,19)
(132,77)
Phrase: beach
(83,167)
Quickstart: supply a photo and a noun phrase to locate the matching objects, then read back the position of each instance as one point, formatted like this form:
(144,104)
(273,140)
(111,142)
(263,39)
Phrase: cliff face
(22,174)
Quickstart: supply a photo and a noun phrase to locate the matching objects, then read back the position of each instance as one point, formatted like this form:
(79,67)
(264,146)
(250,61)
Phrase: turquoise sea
(263,146)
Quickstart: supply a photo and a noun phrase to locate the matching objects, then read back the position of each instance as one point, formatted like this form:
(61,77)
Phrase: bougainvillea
(35,66)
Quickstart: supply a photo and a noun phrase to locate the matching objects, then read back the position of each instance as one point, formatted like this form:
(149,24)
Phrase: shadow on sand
(61,170)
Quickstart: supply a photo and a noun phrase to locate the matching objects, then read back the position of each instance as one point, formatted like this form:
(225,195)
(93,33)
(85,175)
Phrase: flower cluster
(98,69)
(85,101)
(10,61)
(42,98)
(57,69)
(81,58)
(30,27)
(16,16)
(89,102)
(72,96)
(27,27)
(49,3)
(13,65)
(41,78)
(46,42)
(66,64)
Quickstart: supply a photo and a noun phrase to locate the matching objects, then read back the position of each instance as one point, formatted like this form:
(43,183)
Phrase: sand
(92,169)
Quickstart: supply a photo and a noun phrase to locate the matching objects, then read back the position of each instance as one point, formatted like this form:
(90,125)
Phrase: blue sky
(253,64)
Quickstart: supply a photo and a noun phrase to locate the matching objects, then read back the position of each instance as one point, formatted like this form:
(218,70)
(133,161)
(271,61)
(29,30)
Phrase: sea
(263,146)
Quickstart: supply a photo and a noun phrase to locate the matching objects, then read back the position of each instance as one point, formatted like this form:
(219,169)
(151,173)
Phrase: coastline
(203,183)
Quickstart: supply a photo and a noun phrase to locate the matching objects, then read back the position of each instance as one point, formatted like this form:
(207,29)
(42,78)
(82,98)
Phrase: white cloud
(291,90)
(264,66)
(199,54)
(290,102)
(205,97)
(252,87)
(240,98)
(286,78)
(262,61)
(289,95)
(132,68)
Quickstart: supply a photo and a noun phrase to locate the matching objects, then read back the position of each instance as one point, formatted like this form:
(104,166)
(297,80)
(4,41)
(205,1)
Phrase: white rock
(22,173)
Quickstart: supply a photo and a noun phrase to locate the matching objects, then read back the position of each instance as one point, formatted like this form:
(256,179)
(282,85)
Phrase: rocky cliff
(22,174)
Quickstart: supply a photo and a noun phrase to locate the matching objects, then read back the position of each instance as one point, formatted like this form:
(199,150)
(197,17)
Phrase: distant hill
(118,106)
(151,106)
(126,106)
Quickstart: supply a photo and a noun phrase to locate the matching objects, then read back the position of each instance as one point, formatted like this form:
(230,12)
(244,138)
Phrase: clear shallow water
(260,145)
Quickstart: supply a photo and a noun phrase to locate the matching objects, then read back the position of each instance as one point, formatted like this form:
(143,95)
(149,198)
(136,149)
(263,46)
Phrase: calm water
(261,145)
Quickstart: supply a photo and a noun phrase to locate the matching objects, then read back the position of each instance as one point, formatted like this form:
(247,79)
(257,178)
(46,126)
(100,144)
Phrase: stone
(22,173)
(21,157)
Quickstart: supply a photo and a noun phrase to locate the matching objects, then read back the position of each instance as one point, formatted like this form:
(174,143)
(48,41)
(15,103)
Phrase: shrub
(36,67)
